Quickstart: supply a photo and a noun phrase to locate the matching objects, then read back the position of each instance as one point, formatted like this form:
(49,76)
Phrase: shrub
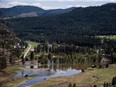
(70,85)
(26,76)
(94,86)
(106,85)
(82,70)
(114,81)
(74,85)
(31,66)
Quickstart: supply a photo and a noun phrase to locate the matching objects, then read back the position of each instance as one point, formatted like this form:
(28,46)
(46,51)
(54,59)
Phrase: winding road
(27,50)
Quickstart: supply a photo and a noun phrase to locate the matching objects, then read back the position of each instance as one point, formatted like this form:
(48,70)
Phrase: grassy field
(108,36)
(6,75)
(7,80)
(86,79)
(33,44)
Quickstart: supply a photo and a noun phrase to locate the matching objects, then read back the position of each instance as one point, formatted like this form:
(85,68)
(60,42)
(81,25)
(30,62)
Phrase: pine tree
(74,85)
(70,85)
(32,55)
(23,60)
(114,81)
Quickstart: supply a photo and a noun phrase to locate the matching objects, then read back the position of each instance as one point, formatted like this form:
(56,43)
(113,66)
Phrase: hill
(8,40)
(29,11)
(90,21)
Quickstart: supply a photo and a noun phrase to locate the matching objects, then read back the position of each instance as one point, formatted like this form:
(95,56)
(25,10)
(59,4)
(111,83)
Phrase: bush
(31,66)
(26,76)
(82,70)
(106,66)
(26,59)
(94,86)
(74,85)
(114,81)
(100,66)
(70,85)
(106,85)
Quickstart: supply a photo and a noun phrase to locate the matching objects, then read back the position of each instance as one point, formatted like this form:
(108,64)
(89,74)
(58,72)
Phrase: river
(52,72)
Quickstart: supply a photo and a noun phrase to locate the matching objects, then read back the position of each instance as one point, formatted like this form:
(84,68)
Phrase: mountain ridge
(15,11)
(92,21)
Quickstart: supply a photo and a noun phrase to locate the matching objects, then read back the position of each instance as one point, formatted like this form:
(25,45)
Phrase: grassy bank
(85,79)
(6,77)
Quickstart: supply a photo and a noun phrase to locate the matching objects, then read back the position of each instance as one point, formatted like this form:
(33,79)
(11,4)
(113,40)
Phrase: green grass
(7,80)
(33,44)
(13,82)
(12,70)
(108,36)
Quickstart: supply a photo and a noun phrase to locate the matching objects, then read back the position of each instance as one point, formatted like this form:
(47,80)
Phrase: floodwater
(42,76)
(52,71)
(47,74)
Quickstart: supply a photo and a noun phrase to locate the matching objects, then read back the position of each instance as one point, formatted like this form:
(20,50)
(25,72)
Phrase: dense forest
(68,27)
(72,54)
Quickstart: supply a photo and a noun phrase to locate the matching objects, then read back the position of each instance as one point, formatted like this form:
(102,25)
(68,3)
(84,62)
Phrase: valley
(73,47)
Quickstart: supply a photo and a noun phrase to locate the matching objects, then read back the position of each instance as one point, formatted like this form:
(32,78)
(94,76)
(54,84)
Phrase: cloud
(15,3)
(77,0)
(53,4)
(36,4)
(10,4)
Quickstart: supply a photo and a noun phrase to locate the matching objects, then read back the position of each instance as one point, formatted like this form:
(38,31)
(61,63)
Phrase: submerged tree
(23,60)
(31,55)
(70,85)
(74,85)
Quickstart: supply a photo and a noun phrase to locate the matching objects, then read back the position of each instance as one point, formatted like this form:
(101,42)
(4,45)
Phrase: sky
(54,4)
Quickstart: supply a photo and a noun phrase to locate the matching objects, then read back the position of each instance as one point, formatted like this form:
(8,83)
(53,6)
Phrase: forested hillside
(9,50)
(68,27)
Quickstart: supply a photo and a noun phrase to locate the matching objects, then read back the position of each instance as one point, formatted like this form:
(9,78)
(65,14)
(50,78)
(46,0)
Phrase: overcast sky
(54,4)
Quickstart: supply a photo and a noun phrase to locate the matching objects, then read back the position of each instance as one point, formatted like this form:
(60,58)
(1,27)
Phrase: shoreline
(7,78)
(88,78)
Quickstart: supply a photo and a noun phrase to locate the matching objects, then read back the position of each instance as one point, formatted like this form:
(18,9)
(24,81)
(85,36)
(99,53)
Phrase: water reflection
(51,71)
(54,74)
(32,72)
(64,67)
(52,66)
